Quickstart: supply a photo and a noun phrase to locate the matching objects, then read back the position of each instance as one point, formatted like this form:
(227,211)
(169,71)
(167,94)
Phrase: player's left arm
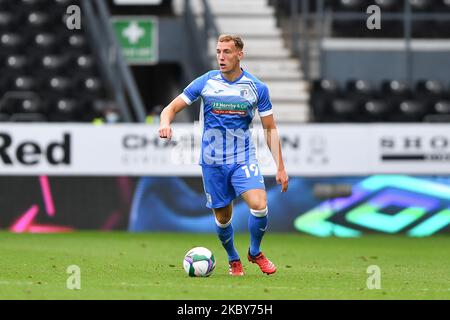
(273,142)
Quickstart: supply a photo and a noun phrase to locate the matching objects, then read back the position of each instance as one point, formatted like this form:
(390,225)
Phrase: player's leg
(256,200)
(219,196)
(225,232)
(249,183)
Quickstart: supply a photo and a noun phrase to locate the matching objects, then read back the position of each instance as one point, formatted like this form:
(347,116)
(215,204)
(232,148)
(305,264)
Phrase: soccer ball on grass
(199,262)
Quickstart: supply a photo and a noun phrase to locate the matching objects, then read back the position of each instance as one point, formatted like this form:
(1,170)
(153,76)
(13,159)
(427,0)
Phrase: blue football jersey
(226,114)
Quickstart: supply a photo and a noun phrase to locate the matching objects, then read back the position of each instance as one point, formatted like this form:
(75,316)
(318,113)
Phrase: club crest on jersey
(244,92)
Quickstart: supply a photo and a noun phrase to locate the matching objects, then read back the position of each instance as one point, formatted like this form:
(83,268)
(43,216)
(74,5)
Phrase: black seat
(430,87)
(410,111)
(421,5)
(429,92)
(55,63)
(446,5)
(27,105)
(66,109)
(345,109)
(24,83)
(62,85)
(39,19)
(359,87)
(351,5)
(91,86)
(377,109)
(17,63)
(21,103)
(11,42)
(395,87)
(440,112)
(76,41)
(442,107)
(84,63)
(324,91)
(389,5)
(7,21)
(45,41)
(45,69)
(360,91)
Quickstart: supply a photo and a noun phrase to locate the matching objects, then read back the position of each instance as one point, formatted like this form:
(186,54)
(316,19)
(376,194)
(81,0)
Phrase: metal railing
(199,35)
(112,63)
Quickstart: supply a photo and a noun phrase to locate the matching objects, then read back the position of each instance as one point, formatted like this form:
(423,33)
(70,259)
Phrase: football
(199,262)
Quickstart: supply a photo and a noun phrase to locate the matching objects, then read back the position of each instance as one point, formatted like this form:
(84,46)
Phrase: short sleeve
(264,104)
(193,91)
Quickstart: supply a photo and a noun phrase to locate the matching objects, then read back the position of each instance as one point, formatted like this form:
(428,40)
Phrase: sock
(257,225)
(226,235)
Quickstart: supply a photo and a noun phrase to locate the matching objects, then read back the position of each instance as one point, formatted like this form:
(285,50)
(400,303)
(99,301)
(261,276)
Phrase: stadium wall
(67,177)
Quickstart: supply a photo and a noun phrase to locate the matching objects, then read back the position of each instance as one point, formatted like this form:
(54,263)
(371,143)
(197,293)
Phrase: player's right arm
(167,116)
(189,95)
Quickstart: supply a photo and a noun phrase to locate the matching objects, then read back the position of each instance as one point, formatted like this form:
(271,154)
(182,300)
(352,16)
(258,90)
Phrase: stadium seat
(10,41)
(76,41)
(359,87)
(396,88)
(345,109)
(389,5)
(377,110)
(6,20)
(442,107)
(84,64)
(429,92)
(54,62)
(430,87)
(30,106)
(441,112)
(65,109)
(421,5)
(37,19)
(45,41)
(60,84)
(351,5)
(16,63)
(91,85)
(24,83)
(324,91)
(411,110)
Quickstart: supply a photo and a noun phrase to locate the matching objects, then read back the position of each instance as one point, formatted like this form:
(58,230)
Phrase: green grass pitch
(120,265)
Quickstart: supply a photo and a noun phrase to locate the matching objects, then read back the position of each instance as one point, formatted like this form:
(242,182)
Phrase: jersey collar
(231,82)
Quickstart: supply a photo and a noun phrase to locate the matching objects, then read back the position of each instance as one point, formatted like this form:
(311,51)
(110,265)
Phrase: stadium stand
(48,71)
(395,81)
(390,101)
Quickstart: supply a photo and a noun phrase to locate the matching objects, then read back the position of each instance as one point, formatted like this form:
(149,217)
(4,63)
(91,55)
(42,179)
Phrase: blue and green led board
(384,203)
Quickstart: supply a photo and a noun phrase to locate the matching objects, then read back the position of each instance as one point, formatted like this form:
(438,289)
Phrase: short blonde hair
(230,37)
